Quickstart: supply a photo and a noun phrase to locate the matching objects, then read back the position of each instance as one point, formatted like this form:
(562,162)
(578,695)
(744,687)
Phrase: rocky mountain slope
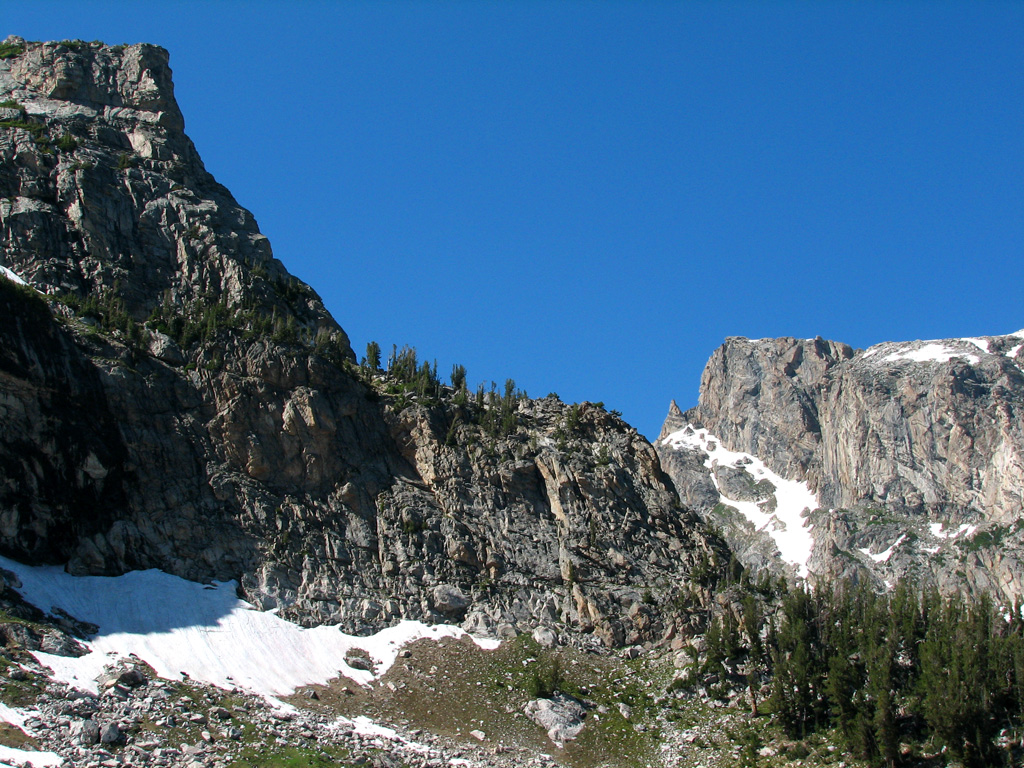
(914,451)
(170,397)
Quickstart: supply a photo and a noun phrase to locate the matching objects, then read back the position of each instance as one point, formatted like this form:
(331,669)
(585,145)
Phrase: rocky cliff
(170,397)
(915,450)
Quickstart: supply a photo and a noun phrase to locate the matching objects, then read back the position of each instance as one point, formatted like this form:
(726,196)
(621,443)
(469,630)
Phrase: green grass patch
(488,691)
(266,756)
(13,736)
(21,693)
(36,129)
(10,50)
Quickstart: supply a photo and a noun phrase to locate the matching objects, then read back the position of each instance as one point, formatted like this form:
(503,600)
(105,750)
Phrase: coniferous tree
(373,356)
(458,377)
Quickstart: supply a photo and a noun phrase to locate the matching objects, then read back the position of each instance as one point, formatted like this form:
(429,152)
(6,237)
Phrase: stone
(110,733)
(545,637)
(449,600)
(86,732)
(561,716)
(163,347)
(132,678)
(359,660)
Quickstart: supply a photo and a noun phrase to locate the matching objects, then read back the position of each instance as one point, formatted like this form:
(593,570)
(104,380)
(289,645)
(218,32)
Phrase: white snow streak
(940,351)
(930,353)
(12,716)
(787,525)
(11,275)
(204,631)
(982,344)
(937,531)
(11,756)
(883,557)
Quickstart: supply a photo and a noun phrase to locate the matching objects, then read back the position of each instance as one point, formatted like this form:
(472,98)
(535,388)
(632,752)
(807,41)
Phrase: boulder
(561,716)
(111,734)
(449,600)
(545,637)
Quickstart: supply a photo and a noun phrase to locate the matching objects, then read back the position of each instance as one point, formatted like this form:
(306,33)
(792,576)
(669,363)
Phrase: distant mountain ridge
(914,449)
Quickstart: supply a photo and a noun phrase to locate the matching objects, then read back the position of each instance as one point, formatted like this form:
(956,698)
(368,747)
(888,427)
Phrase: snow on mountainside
(205,632)
(945,350)
(914,451)
(11,275)
(781,506)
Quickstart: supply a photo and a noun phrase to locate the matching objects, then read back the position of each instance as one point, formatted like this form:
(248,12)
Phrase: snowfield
(939,533)
(883,557)
(11,756)
(205,632)
(787,525)
(10,275)
(939,350)
(931,353)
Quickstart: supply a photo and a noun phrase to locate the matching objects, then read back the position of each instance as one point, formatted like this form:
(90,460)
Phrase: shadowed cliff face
(61,455)
(913,439)
(179,401)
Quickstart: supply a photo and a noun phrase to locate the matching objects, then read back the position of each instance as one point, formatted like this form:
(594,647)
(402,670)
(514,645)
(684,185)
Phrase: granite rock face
(915,444)
(170,397)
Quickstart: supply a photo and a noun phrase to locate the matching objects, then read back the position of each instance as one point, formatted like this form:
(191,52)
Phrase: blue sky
(589,197)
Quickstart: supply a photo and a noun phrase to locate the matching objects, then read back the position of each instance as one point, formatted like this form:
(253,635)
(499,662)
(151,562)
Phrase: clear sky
(589,197)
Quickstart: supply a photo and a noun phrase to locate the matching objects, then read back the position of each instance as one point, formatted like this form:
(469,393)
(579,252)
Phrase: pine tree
(458,377)
(373,356)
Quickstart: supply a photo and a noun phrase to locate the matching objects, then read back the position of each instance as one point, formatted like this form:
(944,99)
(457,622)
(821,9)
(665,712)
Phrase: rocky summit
(173,398)
(913,451)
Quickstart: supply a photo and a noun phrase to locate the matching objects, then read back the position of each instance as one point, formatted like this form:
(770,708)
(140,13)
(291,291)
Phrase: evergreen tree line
(945,673)
(495,412)
(203,320)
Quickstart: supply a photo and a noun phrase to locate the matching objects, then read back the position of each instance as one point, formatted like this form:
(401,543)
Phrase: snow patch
(939,533)
(982,344)
(13,716)
(204,631)
(1012,354)
(883,557)
(12,275)
(933,352)
(787,525)
(11,756)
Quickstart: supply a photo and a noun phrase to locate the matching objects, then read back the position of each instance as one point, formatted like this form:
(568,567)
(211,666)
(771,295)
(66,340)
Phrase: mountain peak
(104,195)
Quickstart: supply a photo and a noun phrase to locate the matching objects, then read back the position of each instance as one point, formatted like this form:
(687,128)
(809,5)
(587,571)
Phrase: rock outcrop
(916,444)
(170,397)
